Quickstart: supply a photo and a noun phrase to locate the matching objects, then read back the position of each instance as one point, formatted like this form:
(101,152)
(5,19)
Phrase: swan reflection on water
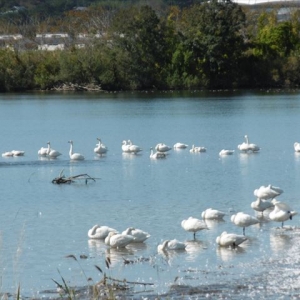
(46,158)
(130,156)
(297,156)
(96,247)
(229,253)
(280,242)
(213,223)
(117,255)
(135,247)
(193,248)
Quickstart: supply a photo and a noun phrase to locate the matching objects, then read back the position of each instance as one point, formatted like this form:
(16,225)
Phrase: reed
(107,287)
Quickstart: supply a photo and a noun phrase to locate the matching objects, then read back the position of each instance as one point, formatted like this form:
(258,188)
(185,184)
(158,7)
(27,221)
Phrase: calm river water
(42,223)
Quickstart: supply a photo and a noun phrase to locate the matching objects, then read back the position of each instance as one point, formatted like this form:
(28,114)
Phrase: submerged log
(61,179)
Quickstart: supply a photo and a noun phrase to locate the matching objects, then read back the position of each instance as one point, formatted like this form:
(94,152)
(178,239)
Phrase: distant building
(10,40)
(52,41)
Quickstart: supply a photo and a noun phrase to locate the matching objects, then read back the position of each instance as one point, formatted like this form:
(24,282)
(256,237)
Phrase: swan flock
(129,147)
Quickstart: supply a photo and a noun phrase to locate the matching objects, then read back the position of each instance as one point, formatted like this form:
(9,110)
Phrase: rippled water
(41,223)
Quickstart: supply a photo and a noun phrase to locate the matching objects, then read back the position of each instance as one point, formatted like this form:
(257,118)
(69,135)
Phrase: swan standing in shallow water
(193,225)
(74,156)
(261,205)
(101,148)
(230,239)
(117,240)
(51,152)
(282,212)
(267,192)
(161,147)
(212,214)
(297,147)
(180,146)
(156,155)
(243,220)
(100,232)
(134,148)
(139,235)
(224,152)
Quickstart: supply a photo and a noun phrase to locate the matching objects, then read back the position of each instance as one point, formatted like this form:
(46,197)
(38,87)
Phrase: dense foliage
(210,45)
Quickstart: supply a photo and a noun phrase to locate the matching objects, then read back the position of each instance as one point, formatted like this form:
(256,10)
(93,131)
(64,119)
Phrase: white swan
(267,192)
(134,148)
(157,155)
(261,205)
(43,151)
(161,147)
(18,152)
(74,156)
(197,149)
(101,148)
(246,146)
(7,154)
(100,232)
(139,235)
(282,212)
(212,214)
(117,240)
(226,152)
(125,147)
(230,239)
(252,147)
(180,146)
(163,246)
(243,220)
(193,225)
(51,152)
(297,147)
(171,245)
(176,245)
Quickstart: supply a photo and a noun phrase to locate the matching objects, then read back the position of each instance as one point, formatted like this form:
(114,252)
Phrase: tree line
(211,45)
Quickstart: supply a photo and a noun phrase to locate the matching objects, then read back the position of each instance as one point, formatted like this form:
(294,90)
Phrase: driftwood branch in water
(62,179)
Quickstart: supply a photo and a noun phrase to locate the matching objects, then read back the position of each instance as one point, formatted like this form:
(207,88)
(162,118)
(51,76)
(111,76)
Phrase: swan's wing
(283,206)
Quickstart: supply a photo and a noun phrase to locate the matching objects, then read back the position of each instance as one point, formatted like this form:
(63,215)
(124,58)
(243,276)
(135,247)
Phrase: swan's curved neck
(164,245)
(94,229)
(71,149)
(246,138)
(128,231)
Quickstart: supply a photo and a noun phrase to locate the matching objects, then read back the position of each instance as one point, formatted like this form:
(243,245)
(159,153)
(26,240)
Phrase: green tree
(140,34)
(214,33)
(277,39)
